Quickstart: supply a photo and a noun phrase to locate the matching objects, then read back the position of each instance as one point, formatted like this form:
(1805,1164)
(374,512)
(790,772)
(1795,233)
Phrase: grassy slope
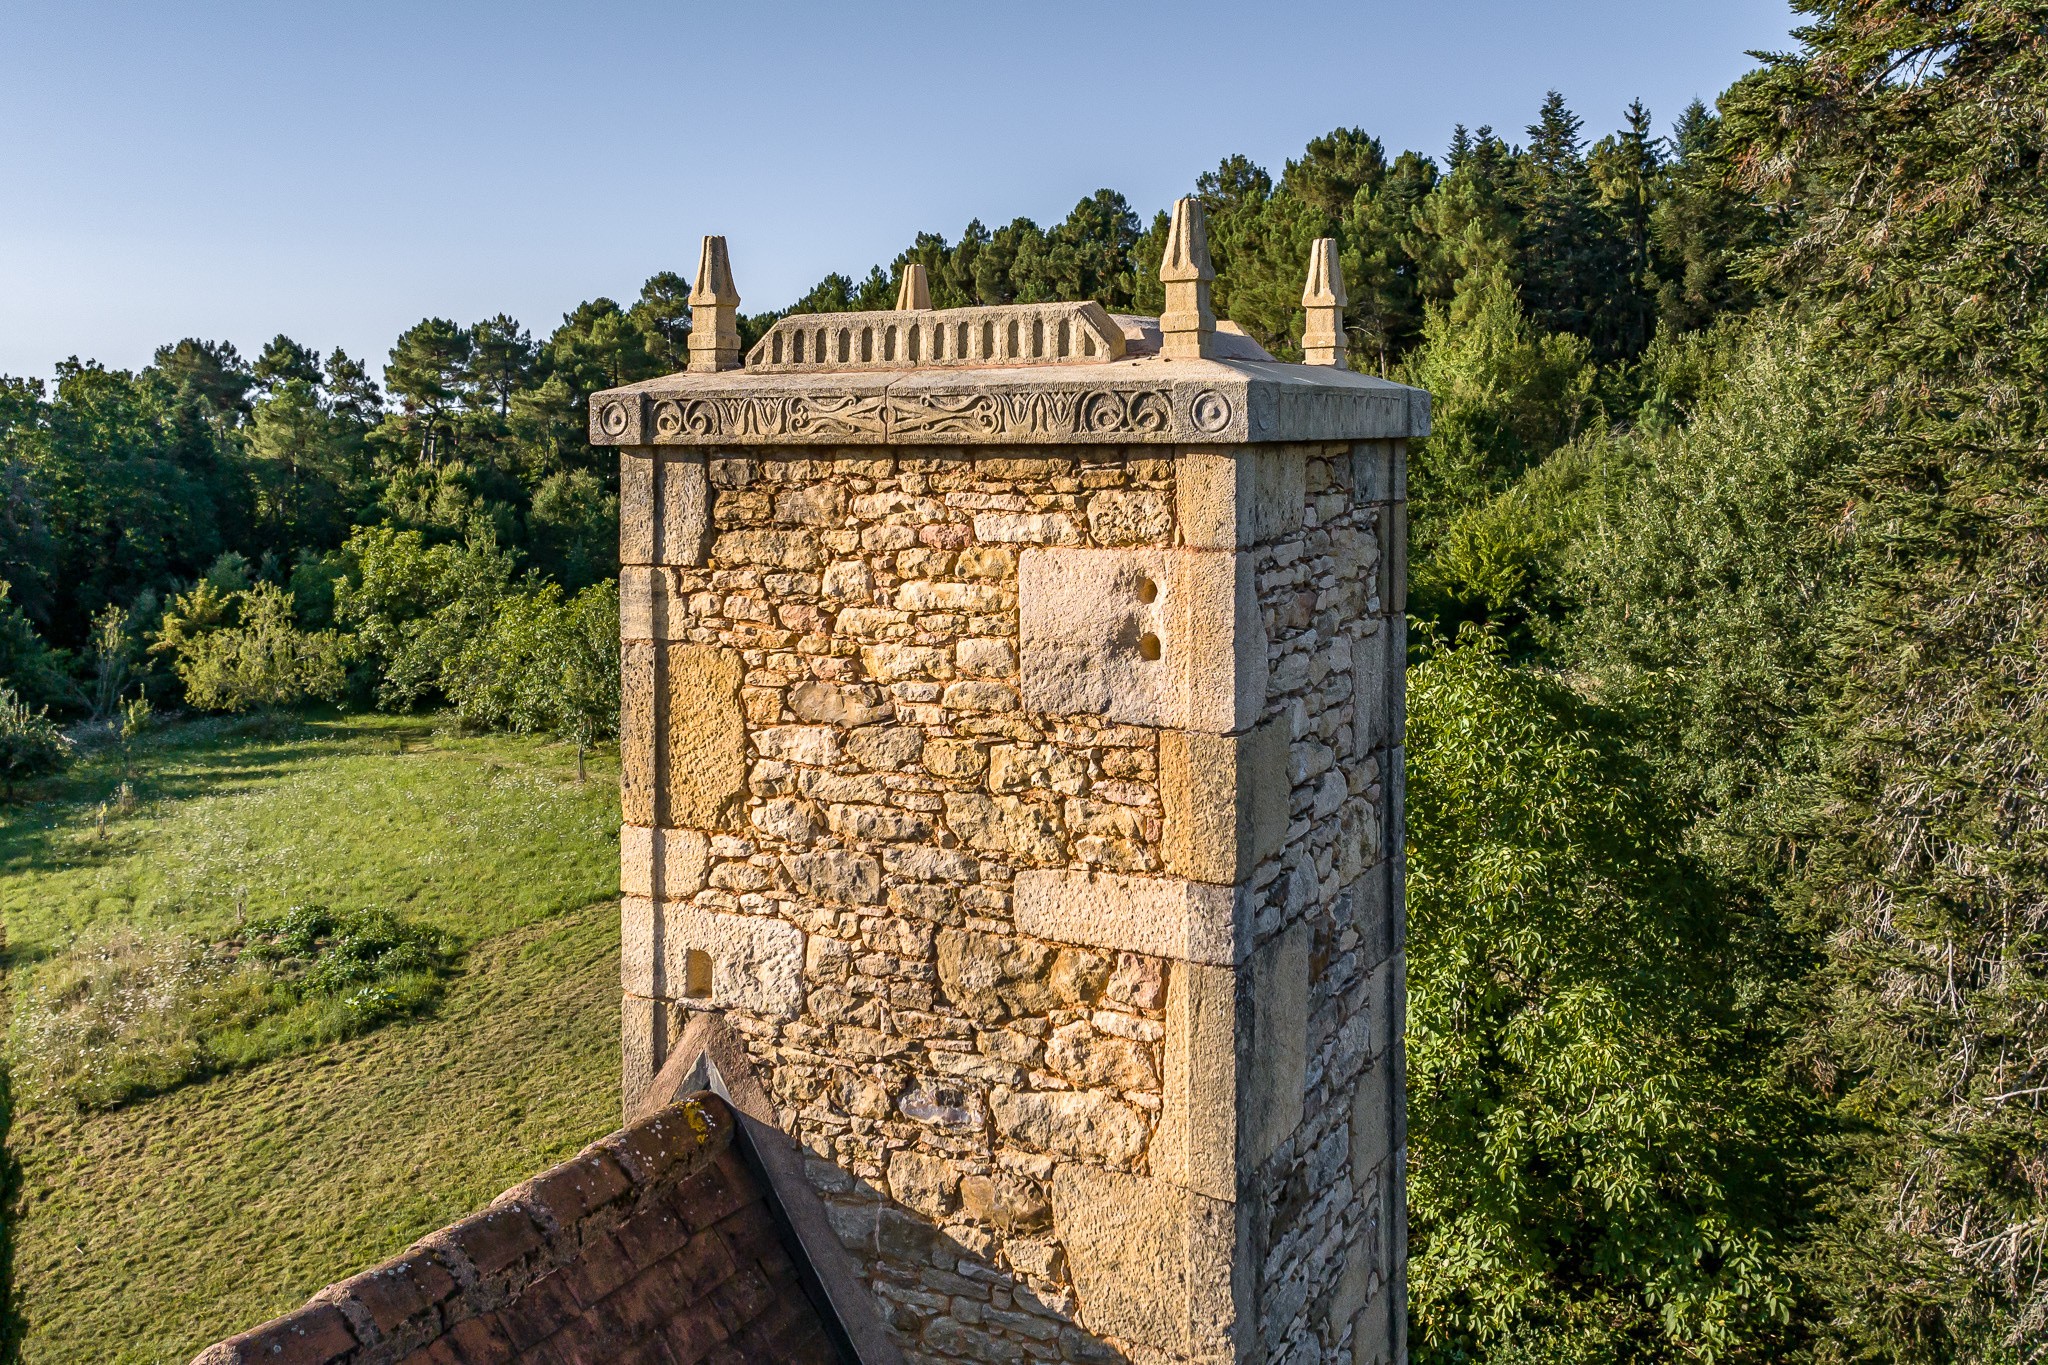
(151,1230)
(471,835)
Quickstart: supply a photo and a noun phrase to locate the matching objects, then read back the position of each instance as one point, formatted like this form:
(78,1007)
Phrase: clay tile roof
(655,1245)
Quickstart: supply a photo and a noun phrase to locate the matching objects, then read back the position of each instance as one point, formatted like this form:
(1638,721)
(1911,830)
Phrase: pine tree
(1572,264)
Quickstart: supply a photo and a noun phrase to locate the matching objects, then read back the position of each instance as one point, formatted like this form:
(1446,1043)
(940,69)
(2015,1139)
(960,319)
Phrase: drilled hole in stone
(1148,647)
(696,975)
(1148,591)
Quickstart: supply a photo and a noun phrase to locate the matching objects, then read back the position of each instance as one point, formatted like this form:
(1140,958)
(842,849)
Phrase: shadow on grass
(182,762)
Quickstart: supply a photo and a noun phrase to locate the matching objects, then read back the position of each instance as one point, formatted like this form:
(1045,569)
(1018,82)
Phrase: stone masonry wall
(842,812)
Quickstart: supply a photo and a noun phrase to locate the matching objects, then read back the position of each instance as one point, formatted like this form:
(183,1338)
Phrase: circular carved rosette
(1210,411)
(1104,411)
(614,420)
(1150,411)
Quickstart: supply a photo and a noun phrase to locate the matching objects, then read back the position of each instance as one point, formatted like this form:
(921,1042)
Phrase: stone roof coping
(1140,399)
(474,1268)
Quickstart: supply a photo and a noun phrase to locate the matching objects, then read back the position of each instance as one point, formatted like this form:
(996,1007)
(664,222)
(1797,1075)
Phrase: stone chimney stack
(1012,763)
(714,313)
(1322,339)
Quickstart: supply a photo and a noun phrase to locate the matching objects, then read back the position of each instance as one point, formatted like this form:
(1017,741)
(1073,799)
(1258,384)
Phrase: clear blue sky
(339,171)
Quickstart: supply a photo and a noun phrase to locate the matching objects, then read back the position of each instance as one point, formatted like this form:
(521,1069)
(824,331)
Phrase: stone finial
(915,294)
(714,312)
(1187,329)
(1322,340)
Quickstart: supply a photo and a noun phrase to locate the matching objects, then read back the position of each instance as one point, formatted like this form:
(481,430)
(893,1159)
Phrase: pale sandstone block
(1129,517)
(636,505)
(1356,1283)
(1144,637)
(1226,800)
(639,754)
(1374,469)
(755,962)
(1373,1117)
(658,862)
(1219,643)
(714,312)
(643,1046)
(1152,1263)
(639,947)
(815,745)
(1275,1046)
(927,1184)
(1394,558)
(683,517)
(1077,1123)
(825,703)
(1323,300)
(1236,497)
(1157,916)
(764,549)
(1187,325)
(650,607)
(1372,1338)
(703,738)
(664,507)
(1196,1145)
(1396,686)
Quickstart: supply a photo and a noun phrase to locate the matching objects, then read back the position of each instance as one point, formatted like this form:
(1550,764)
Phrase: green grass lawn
(148,1230)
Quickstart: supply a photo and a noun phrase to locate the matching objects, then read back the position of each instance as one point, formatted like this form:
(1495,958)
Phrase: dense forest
(1729,888)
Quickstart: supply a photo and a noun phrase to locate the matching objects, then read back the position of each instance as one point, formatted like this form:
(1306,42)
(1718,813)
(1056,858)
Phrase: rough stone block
(1373,1117)
(663,863)
(704,739)
(1077,1123)
(1273,1044)
(650,608)
(1374,465)
(664,507)
(1196,1145)
(1146,637)
(756,962)
(1158,916)
(1226,799)
(1394,558)
(1151,1262)
(1230,499)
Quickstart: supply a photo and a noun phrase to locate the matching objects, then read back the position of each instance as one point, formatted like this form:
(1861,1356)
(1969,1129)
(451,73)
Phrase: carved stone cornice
(1133,402)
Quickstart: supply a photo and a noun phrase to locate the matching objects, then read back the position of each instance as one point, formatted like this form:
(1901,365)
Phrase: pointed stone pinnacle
(915,294)
(1187,329)
(1322,338)
(714,312)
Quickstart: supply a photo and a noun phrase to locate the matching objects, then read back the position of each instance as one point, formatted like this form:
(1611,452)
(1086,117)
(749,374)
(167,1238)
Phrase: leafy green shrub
(544,665)
(27,664)
(30,744)
(126,1015)
(415,607)
(240,651)
(1600,1161)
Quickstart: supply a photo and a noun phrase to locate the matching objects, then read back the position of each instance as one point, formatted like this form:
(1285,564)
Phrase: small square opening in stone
(696,975)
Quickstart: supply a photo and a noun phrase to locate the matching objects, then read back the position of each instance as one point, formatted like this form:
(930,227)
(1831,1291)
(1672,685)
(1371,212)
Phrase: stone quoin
(1011,756)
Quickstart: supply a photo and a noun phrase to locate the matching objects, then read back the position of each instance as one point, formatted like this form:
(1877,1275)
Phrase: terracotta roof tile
(656,1245)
